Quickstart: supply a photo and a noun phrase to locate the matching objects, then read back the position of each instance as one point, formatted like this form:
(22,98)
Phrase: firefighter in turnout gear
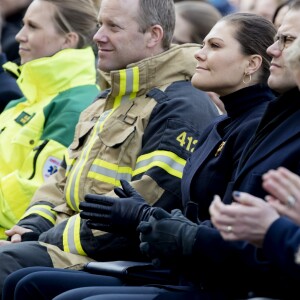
(142,129)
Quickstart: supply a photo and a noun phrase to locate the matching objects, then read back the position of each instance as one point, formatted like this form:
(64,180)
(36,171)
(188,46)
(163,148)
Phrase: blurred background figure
(243,5)
(12,13)
(9,89)
(280,12)
(194,19)
(267,8)
(273,10)
(224,6)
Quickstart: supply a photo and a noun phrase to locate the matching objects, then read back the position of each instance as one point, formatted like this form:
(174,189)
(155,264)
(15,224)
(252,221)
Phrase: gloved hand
(167,236)
(191,212)
(114,214)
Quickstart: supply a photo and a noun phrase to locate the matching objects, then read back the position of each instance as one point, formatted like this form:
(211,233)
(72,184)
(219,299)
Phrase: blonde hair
(97,4)
(79,16)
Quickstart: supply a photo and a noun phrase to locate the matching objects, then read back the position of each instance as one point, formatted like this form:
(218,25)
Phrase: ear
(71,40)
(254,63)
(154,36)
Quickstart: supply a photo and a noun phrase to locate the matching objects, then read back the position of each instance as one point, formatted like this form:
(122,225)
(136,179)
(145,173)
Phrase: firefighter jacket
(36,129)
(143,129)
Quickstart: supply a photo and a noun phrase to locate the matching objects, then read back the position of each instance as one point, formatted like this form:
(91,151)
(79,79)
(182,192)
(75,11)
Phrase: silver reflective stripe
(36,209)
(159,158)
(70,234)
(84,154)
(110,173)
(129,85)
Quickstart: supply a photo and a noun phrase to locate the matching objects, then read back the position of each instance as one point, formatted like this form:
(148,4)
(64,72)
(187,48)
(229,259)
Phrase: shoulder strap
(158,95)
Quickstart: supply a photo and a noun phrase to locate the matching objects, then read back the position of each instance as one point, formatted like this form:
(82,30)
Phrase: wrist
(189,238)
(145,212)
(30,236)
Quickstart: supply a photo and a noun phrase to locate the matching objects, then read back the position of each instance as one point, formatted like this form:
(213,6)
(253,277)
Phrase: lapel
(286,131)
(210,144)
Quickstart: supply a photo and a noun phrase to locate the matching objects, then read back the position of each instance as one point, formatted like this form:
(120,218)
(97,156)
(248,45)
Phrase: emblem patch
(23,118)
(51,166)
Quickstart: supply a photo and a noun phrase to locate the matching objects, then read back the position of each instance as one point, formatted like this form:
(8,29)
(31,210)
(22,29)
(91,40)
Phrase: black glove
(30,236)
(114,214)
(167,237)
(191,212)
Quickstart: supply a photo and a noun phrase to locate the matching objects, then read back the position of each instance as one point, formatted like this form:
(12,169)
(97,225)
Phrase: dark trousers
(134,293)
(20,278)
(116,293)
(46,283)
(17,256)
(62,284)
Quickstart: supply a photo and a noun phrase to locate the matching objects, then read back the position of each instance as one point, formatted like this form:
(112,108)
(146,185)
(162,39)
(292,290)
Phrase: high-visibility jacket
(142,129)
(36,129)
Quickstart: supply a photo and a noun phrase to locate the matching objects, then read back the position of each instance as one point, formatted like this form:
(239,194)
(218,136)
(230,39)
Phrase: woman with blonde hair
(57,77)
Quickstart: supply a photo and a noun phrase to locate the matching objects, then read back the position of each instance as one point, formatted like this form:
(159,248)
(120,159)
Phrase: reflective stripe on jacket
(35,131)
(143,129)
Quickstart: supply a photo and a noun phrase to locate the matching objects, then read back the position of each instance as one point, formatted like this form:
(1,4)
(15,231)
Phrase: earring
(244,78)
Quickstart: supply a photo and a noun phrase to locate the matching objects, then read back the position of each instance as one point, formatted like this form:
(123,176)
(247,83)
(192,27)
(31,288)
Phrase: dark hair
(158,12)
(77,16)
(255,34)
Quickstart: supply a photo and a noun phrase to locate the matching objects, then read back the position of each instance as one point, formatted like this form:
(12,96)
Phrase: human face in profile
(39,36)
(281,78)
(220,62)
(119,39)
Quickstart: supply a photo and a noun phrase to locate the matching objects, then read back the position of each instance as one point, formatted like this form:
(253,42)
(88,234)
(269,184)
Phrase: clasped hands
(163,235)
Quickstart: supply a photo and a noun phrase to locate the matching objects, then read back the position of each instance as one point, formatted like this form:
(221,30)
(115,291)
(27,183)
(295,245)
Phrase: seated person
(142,129)
(210,167)
(272,225)
(58,79)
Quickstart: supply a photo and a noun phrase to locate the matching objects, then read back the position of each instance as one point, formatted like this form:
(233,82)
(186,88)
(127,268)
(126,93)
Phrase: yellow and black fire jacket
(142,129)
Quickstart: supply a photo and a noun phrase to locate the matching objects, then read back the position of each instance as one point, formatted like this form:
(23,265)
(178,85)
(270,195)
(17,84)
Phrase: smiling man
(142,129)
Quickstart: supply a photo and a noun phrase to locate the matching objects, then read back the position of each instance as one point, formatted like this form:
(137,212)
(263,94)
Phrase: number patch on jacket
(186,141)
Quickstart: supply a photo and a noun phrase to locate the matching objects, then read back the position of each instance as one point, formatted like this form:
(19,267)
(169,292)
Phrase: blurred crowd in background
(195,18)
